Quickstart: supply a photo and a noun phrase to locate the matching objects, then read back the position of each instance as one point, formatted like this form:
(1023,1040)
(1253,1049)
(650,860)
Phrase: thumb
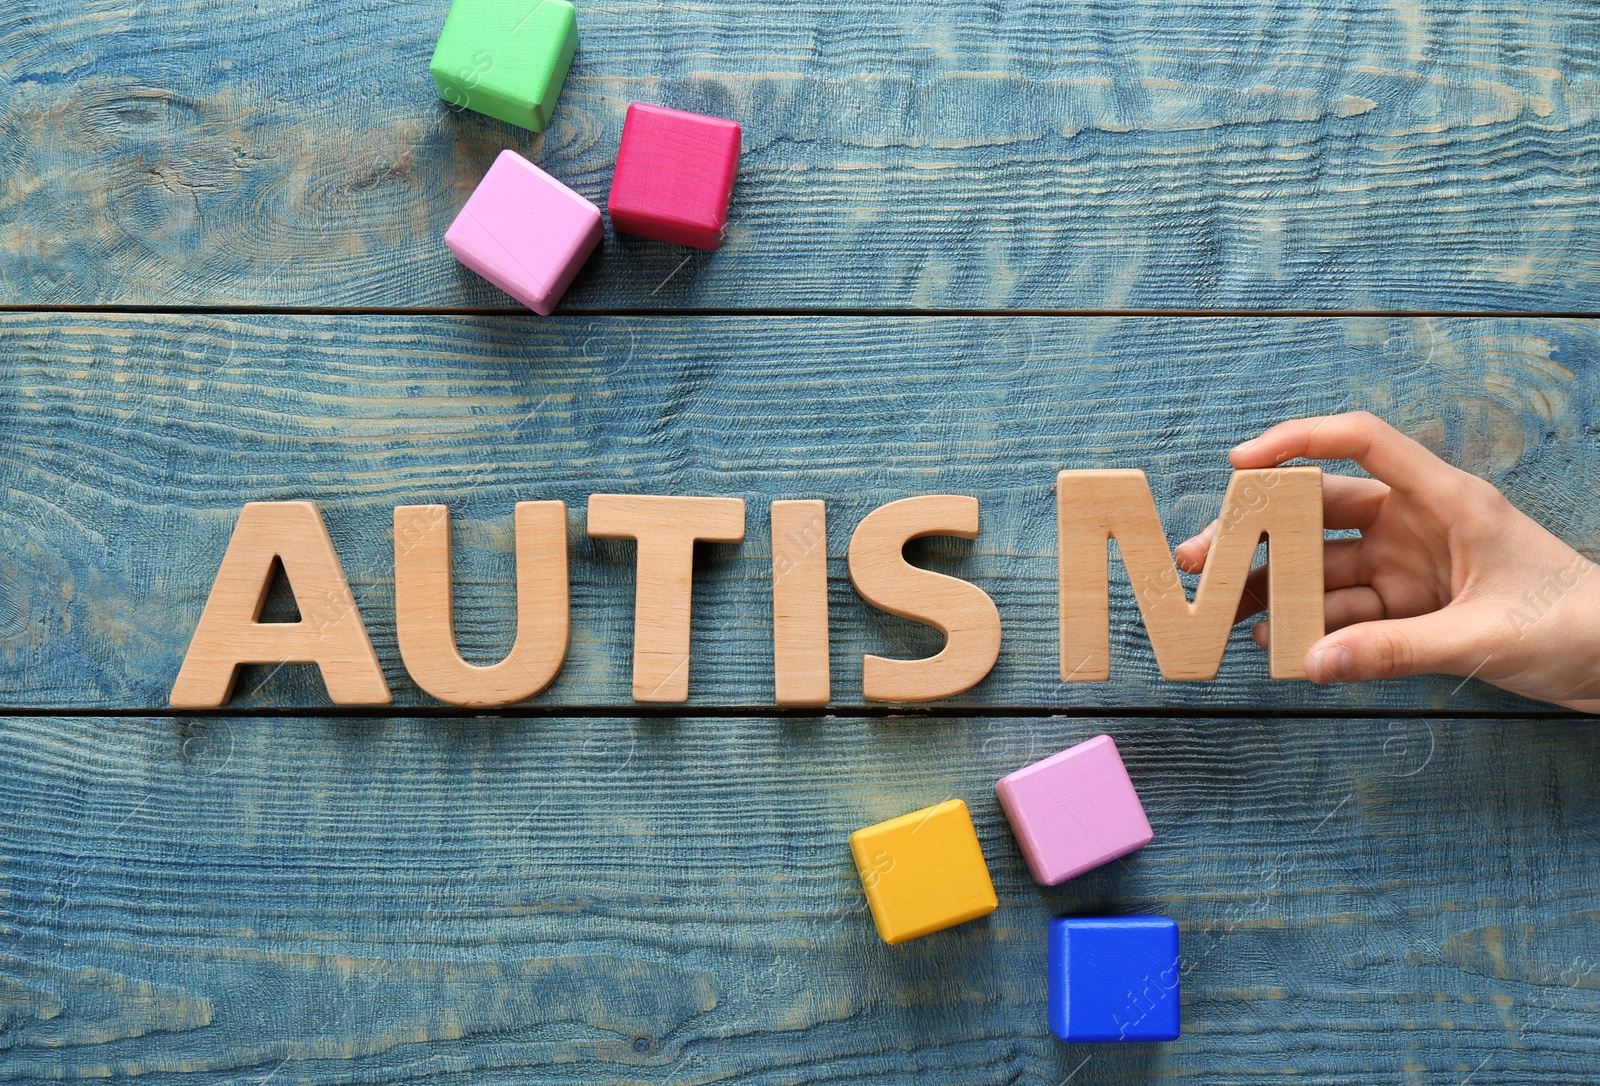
(1430,644)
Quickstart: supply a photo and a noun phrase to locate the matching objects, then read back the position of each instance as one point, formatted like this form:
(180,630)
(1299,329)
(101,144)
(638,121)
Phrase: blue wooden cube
(1113,978)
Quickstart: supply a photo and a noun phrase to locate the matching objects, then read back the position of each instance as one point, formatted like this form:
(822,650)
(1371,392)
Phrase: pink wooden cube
(674,176)
(1074,811)
(525,232)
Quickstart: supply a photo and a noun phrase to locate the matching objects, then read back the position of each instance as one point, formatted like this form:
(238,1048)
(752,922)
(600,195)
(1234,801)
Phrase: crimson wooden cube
(674,176)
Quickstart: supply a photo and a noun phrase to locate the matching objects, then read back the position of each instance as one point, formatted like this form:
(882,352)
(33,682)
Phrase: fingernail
(1331,664)
(1245,444)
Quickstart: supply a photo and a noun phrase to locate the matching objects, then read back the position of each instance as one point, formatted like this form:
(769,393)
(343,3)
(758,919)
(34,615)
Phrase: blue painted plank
(131,442)
(622,901)
(1151,154)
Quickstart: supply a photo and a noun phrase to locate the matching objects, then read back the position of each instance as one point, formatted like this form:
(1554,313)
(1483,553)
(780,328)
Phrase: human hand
(1447,577)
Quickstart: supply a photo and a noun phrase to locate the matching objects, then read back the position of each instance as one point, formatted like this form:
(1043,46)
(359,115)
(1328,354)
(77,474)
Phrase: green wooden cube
(506,58)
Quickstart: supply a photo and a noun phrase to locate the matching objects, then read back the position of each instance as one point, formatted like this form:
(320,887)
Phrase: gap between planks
(880,712)
(724,311)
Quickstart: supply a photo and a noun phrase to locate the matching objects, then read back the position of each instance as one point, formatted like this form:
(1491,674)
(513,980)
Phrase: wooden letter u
(424,614)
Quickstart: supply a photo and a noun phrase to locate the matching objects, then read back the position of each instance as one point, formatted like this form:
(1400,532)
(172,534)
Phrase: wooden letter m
(1283,504)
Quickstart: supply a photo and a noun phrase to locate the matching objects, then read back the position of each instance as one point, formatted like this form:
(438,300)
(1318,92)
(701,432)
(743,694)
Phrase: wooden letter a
(1285,504)
(329,633)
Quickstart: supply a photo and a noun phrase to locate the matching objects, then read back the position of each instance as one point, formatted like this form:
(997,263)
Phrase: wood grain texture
(130,443)
(1361,902)
(1151,154)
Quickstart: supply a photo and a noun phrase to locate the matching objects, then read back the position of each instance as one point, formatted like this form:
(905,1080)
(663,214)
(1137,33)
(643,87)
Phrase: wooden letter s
(960,610)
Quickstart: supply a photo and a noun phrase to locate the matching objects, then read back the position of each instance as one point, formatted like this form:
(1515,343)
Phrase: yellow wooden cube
(923,872)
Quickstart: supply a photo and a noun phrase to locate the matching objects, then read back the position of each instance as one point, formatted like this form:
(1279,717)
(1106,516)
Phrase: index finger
(1384,452)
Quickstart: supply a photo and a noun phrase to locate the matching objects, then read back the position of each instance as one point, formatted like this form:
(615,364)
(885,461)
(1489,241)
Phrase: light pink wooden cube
(525,232)
(1074,811)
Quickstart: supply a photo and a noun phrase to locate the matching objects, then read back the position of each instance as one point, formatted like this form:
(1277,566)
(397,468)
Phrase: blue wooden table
(970,246)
